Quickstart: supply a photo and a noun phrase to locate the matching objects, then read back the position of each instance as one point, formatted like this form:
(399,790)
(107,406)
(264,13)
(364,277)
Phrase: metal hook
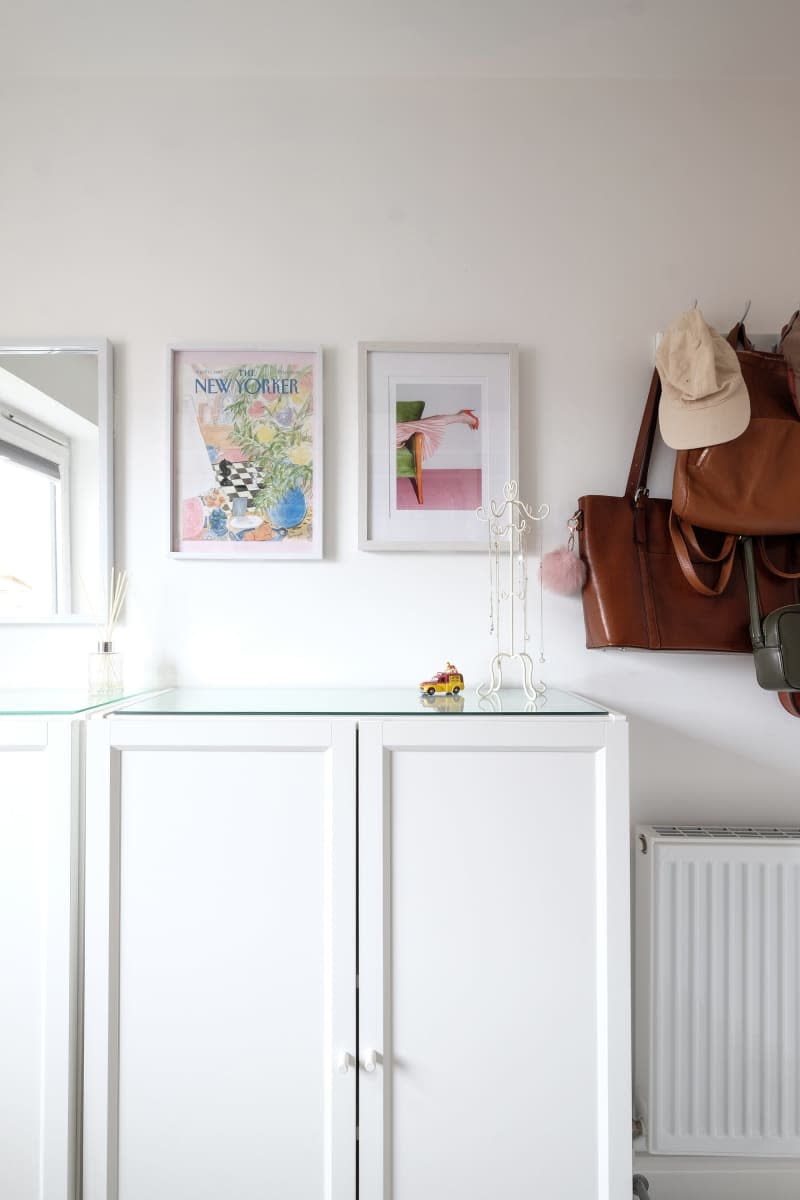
(746,311)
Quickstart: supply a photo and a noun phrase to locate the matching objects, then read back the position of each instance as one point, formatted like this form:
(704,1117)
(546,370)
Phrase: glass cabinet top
(397,702)
(56,702)
(401,702)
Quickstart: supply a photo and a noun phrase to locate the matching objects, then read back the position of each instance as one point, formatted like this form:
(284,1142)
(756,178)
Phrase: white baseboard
(719,1178)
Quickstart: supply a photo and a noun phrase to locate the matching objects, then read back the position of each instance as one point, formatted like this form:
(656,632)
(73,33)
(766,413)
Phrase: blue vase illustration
(289,511)
(218,523)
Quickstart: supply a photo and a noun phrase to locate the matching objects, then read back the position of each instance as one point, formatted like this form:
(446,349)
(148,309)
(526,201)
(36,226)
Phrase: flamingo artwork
(422,437)
(433,429)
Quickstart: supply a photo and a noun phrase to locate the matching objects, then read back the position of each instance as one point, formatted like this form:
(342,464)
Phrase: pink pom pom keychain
(562,570)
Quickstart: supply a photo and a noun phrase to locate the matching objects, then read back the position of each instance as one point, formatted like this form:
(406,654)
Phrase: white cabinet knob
(371,1060)
(344,1062)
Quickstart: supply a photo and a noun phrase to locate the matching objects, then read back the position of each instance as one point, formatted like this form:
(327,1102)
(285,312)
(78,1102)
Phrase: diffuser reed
(105,665)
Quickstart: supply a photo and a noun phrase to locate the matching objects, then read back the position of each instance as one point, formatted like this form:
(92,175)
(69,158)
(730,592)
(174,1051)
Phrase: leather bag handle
(642,451)
(737,337)
(725,558)
(689,534)
(791,702)
(686,534)
(770,565)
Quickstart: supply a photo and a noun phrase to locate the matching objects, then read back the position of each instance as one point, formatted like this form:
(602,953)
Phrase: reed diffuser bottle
(105,671)
(105,664)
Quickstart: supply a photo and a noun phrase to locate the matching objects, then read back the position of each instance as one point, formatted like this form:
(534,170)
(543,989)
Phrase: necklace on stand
(509,524)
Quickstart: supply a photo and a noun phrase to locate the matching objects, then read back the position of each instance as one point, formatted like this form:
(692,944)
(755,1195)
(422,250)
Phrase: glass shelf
(55,702)
(395,702)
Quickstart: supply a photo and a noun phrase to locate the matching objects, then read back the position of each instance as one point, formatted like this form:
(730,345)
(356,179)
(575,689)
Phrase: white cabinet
(220,959)
(228,1050)
(493,959)
(39,823)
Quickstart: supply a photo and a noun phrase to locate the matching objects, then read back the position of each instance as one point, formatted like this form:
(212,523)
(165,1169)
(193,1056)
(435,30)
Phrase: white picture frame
(458,403)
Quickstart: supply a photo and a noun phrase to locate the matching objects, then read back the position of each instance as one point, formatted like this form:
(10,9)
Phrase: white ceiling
(683,39)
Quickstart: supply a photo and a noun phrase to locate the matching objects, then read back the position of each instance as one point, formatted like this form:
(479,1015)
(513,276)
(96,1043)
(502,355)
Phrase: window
(34,526)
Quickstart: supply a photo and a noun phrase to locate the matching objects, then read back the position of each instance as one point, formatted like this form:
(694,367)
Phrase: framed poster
(246,452)
(437,439)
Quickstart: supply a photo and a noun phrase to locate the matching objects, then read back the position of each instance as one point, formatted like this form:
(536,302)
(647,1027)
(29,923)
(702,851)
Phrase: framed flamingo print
(246,452)
(438,439)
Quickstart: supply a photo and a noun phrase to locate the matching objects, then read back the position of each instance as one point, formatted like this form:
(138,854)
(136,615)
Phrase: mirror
(56,489)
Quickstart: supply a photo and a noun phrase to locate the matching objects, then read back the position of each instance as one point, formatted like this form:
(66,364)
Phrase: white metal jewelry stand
(508,525)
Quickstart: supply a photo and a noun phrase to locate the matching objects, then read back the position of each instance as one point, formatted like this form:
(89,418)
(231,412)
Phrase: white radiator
(717,1001)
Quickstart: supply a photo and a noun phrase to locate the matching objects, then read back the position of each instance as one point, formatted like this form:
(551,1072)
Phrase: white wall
(574,218)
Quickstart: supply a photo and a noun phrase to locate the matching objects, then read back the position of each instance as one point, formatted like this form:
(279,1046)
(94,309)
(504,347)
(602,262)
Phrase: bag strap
(640,463)
(687,531)
(737,337)
(791,702)
(725,558)
(756,632)
(770,565)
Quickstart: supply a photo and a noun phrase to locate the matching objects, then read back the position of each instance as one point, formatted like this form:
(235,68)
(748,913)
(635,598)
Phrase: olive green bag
(775,638)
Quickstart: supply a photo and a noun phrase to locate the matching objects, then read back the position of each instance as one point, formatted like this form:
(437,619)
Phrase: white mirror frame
(105,458)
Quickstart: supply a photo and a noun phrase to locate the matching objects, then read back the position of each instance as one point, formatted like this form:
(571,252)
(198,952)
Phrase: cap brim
(687,425)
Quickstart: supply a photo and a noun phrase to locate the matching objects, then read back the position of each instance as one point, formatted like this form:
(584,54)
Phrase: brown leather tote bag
(636,594)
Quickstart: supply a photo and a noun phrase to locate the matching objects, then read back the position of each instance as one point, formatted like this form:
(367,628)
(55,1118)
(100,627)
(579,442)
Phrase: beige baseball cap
(704,399)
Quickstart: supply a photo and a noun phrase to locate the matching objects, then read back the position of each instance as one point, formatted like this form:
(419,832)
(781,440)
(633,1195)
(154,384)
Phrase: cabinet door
(38,946)
(220,959)
(493,959)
